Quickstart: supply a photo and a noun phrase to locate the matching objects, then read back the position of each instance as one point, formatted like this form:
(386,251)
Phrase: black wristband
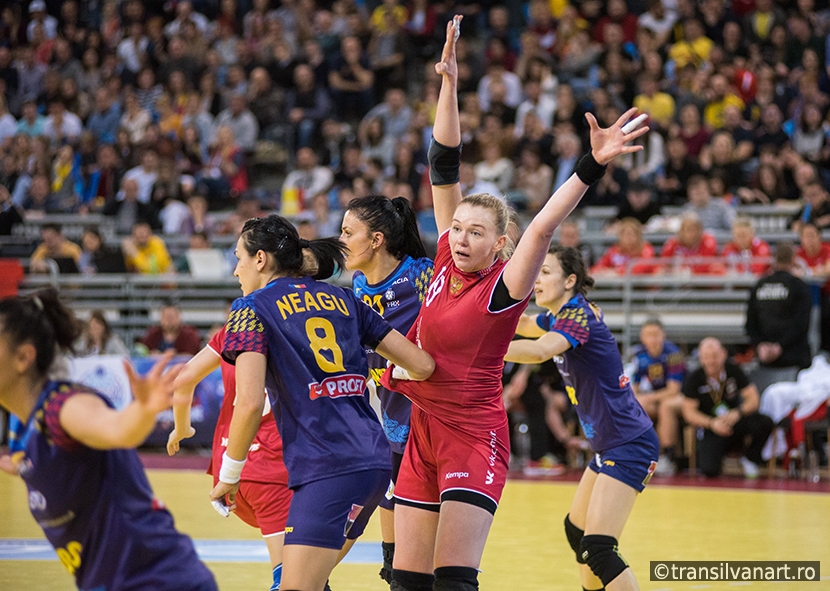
(444,164)
(589,170)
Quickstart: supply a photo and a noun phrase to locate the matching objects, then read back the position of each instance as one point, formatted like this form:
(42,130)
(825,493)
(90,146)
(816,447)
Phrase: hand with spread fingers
(608,143)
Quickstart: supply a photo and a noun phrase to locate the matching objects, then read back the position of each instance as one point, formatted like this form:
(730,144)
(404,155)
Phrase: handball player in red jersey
(264,496)
(455,464)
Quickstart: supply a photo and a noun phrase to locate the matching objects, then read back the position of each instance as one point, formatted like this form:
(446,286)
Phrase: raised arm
(445,149)
(194,371)
(523,267)
(88,420)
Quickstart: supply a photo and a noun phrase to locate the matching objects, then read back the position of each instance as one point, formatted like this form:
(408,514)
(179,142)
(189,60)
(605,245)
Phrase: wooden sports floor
(527,549)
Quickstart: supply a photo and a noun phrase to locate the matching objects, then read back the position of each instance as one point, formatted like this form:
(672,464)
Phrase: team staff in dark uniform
(722,402)
(778,315)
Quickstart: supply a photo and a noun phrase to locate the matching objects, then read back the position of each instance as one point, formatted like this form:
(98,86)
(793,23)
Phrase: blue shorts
(388,500)
(632,463)
(325,513)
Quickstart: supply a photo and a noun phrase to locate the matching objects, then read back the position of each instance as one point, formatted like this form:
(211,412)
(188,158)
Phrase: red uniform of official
(459,439)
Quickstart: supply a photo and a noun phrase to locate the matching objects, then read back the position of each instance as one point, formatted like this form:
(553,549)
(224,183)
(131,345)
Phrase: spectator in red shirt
(814,253)
(745,244)
(691,241)
(617,12)
(630,245)
(171,333)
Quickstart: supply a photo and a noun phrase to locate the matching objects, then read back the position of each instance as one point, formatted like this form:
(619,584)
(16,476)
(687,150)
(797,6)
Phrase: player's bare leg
(415,548)
(275,545)
(578,516)
(462,533)
(608,511)
(307,568)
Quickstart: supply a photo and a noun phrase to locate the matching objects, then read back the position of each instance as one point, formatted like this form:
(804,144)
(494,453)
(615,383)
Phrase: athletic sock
(277,572)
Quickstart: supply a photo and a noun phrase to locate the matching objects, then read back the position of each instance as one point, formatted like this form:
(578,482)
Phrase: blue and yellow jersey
(668,365)
(398,299)
(593,374)
(97,509)
(314,336)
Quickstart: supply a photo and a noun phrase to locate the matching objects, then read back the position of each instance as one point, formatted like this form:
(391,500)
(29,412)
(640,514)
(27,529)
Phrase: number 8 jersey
(314,336)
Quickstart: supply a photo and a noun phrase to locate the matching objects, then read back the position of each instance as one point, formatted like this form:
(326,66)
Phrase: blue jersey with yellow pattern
(97,509)
(593,374)
(668,365)
(398,299)
(314,336)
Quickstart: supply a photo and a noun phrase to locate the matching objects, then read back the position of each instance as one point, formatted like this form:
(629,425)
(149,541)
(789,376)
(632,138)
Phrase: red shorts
(263,506)
(442,462)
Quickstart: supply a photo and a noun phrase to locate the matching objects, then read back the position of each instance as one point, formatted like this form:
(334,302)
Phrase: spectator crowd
(156,111)
(187,117)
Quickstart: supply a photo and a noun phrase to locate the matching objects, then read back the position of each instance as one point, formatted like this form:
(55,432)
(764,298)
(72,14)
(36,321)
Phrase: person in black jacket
(723,404)
(10,215)
(778,315)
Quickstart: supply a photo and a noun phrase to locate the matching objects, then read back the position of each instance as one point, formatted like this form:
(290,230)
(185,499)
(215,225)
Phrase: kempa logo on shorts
(456,475)
(490,476)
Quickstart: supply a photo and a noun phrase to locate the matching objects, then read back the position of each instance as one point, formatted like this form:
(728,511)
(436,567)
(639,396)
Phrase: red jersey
(467,341)
(614,258)
(817,260)
(265,454)
(759,248)
(707,247)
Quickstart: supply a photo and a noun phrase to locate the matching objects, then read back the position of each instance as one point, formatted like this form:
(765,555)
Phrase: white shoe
(665,466)
(751,469)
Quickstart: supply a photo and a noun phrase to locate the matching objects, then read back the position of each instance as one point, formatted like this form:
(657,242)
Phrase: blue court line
(208,550)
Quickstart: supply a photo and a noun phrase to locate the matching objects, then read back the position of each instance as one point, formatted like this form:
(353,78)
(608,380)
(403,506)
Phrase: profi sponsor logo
(335,387)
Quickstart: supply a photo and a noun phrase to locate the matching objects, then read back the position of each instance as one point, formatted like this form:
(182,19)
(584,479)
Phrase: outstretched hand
(448,66)
(175,438)
(155,390)
(608,143)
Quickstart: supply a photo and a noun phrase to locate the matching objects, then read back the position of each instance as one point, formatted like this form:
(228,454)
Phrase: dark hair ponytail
(572,263)
(395,219)
(43,320)
(278,237)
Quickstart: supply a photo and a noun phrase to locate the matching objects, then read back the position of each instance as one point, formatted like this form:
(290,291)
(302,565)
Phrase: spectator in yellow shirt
(695,47)
(721,98)
(54,246)
(146,253)
(378,20)
(659,105)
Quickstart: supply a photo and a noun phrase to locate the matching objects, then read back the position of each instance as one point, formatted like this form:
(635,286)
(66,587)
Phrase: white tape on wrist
(231,469)
(400,373)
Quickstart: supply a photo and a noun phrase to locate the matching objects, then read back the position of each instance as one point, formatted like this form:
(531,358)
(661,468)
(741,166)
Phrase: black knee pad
(407,580)
(456,578)
(388,557)
(574,537)
(603,557)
